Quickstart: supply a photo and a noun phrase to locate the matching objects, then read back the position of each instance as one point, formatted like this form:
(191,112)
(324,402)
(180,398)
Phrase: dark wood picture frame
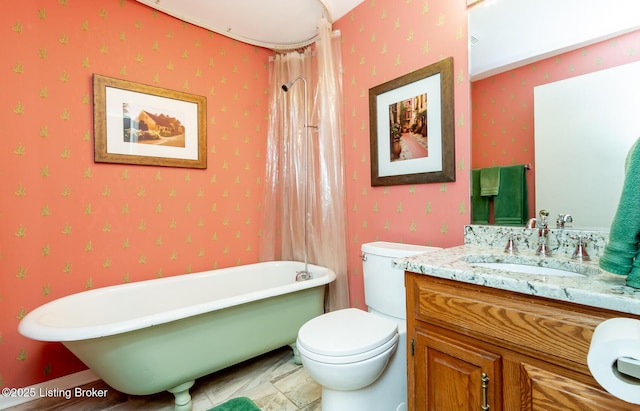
(146,125)
(438,118)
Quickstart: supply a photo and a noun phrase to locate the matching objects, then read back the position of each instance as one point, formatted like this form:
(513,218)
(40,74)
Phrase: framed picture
(141,124)
(412,127)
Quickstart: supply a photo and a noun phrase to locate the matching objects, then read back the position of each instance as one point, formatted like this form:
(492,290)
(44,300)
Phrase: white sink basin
(528,269)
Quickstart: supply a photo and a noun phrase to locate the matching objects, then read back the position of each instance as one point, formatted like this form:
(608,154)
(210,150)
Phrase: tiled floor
(273,381)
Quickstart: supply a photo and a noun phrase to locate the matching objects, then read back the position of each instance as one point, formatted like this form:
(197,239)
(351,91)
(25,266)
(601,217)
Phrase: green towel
(479,204)
(237,404)
(511,205)
(489,181)
(633,279)
(621,252)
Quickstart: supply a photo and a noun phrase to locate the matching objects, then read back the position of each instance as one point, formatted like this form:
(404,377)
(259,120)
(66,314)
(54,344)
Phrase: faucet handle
(542,221)
(563,219)
(580,252)
(510,248)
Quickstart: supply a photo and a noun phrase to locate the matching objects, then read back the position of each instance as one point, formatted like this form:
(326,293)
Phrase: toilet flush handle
(363,257)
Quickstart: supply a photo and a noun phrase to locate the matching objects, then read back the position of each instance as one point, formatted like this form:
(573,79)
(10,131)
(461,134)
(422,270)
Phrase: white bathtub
(149,336)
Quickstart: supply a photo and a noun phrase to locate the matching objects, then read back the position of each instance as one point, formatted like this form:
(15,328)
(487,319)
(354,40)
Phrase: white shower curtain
(320,176)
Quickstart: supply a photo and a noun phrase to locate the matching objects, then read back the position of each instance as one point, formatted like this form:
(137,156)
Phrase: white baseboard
(63,383)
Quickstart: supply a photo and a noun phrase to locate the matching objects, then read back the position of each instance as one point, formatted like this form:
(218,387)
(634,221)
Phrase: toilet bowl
(356,357)
(359,357)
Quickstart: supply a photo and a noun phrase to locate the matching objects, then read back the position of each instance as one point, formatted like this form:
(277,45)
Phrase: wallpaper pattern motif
(383,40)
(502,105)
(68,224)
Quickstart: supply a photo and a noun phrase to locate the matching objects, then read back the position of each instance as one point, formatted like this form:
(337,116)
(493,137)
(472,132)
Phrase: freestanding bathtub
(149,336)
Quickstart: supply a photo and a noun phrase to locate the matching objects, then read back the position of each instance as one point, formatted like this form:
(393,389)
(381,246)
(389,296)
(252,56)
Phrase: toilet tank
(383,284)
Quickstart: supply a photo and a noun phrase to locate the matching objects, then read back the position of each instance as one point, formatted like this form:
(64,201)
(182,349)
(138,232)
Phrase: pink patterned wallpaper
(383,40)
(68,224)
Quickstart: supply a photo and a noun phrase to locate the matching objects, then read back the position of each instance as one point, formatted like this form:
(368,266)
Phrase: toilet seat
(346,336)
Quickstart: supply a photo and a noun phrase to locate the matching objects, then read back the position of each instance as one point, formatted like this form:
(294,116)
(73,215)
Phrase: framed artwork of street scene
(411,125)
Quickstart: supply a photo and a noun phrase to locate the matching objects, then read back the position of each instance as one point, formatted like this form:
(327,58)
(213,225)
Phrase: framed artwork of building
(140,124)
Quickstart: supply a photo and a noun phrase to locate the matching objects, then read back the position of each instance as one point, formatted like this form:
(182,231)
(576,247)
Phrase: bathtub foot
(183,398)
(296,354)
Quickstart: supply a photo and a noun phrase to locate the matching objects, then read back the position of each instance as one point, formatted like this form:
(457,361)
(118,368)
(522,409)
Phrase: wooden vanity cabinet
(479,348)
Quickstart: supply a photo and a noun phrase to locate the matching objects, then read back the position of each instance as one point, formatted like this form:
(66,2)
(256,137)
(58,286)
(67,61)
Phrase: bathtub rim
(31,326)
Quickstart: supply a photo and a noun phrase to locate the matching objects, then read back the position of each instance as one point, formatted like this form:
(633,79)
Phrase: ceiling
(273,24)
(505,34)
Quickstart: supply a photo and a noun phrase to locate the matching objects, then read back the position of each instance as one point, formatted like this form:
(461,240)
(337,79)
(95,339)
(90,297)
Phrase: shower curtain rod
(334,33)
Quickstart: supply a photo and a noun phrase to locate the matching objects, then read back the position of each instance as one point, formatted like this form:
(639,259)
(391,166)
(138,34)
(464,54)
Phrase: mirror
(511,42)
(581,146)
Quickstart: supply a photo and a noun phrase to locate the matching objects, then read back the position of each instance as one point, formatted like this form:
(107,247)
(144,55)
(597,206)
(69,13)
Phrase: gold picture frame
(146,125)
(411,125)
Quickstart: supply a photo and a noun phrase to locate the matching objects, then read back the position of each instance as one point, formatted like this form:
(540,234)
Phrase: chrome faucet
(563,219)
(303,275)
(543,232)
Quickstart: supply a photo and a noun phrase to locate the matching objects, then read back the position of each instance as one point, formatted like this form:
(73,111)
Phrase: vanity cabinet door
(451,375)
(545,390)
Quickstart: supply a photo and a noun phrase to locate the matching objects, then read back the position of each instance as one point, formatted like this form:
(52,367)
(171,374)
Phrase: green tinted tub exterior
(146,337)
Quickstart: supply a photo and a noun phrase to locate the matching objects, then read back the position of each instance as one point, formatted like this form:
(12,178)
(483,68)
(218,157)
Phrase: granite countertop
(595,288)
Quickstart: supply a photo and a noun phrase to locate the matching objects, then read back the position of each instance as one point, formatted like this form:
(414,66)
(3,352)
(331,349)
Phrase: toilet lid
(346,332)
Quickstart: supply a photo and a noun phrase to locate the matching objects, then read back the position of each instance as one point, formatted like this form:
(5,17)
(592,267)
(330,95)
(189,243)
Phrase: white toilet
(359,357)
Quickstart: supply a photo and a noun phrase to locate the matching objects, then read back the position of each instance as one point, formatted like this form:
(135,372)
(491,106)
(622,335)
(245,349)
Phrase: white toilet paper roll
(613,338)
